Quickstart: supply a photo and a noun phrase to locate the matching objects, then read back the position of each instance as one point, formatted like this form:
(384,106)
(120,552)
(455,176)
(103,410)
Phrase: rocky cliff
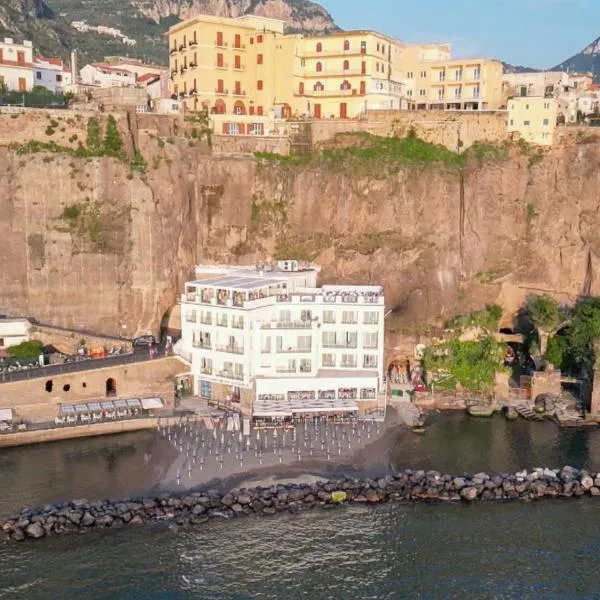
(91,242)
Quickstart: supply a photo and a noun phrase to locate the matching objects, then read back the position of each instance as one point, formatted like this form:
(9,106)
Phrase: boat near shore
(480,410)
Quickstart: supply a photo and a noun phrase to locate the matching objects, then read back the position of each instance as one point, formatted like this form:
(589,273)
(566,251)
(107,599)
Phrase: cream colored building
(247,73)
(534,118)
(16,65)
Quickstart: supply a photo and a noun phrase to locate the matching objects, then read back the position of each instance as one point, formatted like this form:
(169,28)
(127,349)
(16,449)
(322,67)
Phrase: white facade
(51,74)
(16,65)
(13,332)
(296,347)
(106,76)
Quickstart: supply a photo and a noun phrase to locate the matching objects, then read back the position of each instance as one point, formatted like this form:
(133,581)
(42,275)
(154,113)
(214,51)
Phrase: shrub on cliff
(27,349)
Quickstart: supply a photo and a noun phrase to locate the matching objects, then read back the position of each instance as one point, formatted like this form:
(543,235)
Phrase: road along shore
(190,509)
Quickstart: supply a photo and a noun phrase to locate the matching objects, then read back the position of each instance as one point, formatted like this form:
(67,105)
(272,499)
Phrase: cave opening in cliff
(111,387)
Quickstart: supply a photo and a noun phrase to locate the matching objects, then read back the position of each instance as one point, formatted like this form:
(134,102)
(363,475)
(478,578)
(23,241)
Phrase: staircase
(528,413)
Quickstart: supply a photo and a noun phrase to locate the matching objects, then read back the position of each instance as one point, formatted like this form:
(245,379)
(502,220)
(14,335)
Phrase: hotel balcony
(231,349)
(173,51)
(222,66)
(222,323)
(348,364)
(328,93)
(294,350)
(231,375)
(182,47)
(237,324)
(206,320)
(191,318)
(285,370)
(287,325)
(239,93)
(355,51)
(206,370)
(202,345)
(221,44)
(350,320)
(240,68)
(336,73)
(333,345)
(193,66)
(193,43)
(219,92)
(370,346)
(238,47)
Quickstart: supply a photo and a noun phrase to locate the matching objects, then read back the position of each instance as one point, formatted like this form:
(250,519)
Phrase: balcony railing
(231,375)
(239,68)
(348,365)
(202,345)
(294,350)
(191,318)
(219,92)
(193,43)
(352,345)
(193,66)
(368,365)
(349,299)
(335,73)
(173,51)
(239,93)
(349,320)
(206,370)
(329,364)
(222,323)
(305,369)
(206,320)
(223,66)
(370,346)
(221,44)
(285,370)
(182,47)
(341,52)
(237,324)
(287,325)
(371,322)
(231,349)
(239,47)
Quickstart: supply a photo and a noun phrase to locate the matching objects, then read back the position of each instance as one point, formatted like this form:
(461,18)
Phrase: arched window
(346,44)
(319,67)
(345,85)
(319,47)
(318,87)
(346,65)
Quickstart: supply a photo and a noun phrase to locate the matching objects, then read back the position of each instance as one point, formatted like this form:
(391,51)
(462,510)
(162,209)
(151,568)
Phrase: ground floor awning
(6,414)
(150,403)
(285,408)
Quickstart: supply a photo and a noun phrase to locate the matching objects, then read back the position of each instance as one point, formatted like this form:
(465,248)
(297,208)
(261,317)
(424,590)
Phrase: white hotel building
(280,346)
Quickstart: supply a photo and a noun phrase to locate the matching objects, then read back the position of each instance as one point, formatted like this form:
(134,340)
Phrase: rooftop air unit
(288,265)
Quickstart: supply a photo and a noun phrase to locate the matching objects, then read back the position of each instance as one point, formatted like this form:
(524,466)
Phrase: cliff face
(299,15)
(89,243)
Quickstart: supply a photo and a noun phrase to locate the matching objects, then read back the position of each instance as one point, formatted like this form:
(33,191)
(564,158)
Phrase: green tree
(544,312)
(584,331)
(557,350)
(27,349)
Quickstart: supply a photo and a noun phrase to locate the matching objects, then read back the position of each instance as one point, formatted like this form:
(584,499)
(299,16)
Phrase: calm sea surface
(539,550)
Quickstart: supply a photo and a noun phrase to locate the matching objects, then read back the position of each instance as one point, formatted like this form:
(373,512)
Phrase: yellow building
(435,81)
(534,118)
(247,73)
(343,74)
(233,68)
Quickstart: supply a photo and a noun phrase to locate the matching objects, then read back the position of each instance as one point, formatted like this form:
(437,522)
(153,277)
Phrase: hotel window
(363,47)
(319,67)
(378,46)
(237,62)
(329,338)
(305,366)
(319,47)
(422,92)
(304,342)
(546,122)
(285,316)
(259,84)
(259,110)
(220,39)
(371,318)
(546,105)
(20,57)
(219,60)
(346,65)
(370,340)
(328,316)
(318,87)
(38,75)
(409,75)
(259,39)
(423,74)
(301,88)
(512,122)
(346,44)
(306,315)
(526,123)
(370,361)
(377,67)
(328,360)
(259,59)
(237,41)
(383,48)
(345,85)
(348,361)
(251,41)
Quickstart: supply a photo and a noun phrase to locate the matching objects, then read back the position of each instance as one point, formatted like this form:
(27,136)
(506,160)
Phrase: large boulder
(35,531)
(468,493)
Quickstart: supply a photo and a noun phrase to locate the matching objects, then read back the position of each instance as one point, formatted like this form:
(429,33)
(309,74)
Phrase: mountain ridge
(47,22)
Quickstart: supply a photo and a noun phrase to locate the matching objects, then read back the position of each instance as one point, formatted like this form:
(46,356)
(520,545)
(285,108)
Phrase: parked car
(144,340)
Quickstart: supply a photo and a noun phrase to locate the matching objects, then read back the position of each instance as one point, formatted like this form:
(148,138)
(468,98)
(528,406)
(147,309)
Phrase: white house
(16,65)
(13,332)
(270,339)
(103,75)
(51,74)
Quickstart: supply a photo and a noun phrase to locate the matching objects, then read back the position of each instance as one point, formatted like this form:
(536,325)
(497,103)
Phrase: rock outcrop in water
(197,508)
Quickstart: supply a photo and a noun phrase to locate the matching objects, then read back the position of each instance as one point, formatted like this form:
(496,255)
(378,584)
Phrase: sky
(533,33)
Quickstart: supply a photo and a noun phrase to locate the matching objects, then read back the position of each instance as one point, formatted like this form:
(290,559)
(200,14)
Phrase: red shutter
(242,128)
(225,128)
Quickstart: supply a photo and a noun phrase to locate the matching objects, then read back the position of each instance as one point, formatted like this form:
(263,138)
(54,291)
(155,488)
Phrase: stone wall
(234,144)
(455,130)
(68,341)
(32,402)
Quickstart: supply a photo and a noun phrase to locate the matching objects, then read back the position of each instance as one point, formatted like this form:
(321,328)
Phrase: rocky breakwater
(199,507)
